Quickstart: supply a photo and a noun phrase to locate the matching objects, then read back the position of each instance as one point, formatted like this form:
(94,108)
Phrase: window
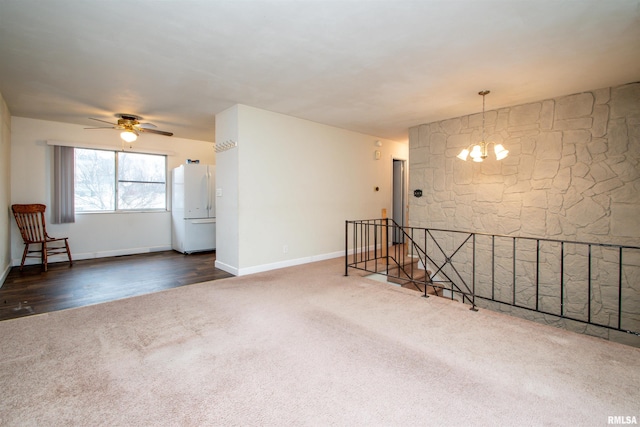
(119,181)
(141,181)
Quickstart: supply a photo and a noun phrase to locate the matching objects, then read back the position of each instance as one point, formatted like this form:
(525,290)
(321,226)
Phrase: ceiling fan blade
(103,121)
(146,125)
(159,132)
(106,127)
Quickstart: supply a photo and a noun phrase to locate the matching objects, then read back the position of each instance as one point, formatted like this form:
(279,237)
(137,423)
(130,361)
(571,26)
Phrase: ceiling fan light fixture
(130,127)
(129,135)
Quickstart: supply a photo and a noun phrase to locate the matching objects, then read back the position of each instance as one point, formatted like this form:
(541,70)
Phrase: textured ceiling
(376,67)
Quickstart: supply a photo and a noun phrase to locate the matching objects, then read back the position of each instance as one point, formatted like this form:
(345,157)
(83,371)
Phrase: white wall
(227,252)
(92,235)
(5,189)
(297,183)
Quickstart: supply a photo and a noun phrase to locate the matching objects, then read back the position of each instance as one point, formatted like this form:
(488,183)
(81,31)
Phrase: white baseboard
(287,263)
(91,255)
(276,265)
(5,273)
(226,267)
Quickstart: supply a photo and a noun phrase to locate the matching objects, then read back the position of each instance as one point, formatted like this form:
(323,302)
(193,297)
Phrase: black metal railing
(405,261)
(372,253)
(591,283)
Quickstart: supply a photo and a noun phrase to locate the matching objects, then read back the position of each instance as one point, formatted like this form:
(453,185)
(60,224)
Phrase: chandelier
(479,151)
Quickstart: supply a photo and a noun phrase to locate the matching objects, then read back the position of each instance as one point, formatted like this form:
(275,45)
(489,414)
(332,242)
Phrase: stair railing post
(473,279)
(385,234)
(346,248)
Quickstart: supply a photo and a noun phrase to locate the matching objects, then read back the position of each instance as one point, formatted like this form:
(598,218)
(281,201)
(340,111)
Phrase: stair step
(408,266)
(377,266)
(408,275)
(420,288)
(398,276)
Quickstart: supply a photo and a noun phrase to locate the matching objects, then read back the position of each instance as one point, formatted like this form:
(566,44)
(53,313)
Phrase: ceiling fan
(130,127)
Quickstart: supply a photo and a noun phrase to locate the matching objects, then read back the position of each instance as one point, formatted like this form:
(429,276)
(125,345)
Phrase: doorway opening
(399,180)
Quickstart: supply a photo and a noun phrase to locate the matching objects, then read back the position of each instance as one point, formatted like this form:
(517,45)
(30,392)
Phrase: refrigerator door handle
(210,195)
(203,221)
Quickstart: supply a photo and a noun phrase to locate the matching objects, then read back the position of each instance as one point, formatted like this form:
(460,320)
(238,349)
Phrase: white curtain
(63,185)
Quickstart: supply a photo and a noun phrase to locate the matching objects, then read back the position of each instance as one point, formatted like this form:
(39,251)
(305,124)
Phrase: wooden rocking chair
(30,220)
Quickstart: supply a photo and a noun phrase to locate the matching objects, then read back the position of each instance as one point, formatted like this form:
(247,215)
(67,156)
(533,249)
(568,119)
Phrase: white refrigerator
(193,208)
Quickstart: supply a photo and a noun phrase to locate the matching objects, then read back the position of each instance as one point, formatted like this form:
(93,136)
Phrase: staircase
(407,272)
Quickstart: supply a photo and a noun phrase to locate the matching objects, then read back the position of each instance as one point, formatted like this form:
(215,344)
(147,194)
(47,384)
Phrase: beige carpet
(305,346)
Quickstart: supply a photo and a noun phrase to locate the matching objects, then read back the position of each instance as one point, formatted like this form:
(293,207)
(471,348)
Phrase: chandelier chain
(483,95)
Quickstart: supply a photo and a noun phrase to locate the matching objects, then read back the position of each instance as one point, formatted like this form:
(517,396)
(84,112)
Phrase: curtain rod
(107,147)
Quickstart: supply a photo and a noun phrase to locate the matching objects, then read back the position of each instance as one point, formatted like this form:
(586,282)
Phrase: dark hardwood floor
(87,282)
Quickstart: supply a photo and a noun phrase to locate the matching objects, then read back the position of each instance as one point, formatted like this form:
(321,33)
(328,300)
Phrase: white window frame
(117,181)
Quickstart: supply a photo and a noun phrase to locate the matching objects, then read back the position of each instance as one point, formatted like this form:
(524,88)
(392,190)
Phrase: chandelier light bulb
(476,153)
(463,154)
(501,153)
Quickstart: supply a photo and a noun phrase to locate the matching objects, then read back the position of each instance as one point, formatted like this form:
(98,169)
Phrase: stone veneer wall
(573,173)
